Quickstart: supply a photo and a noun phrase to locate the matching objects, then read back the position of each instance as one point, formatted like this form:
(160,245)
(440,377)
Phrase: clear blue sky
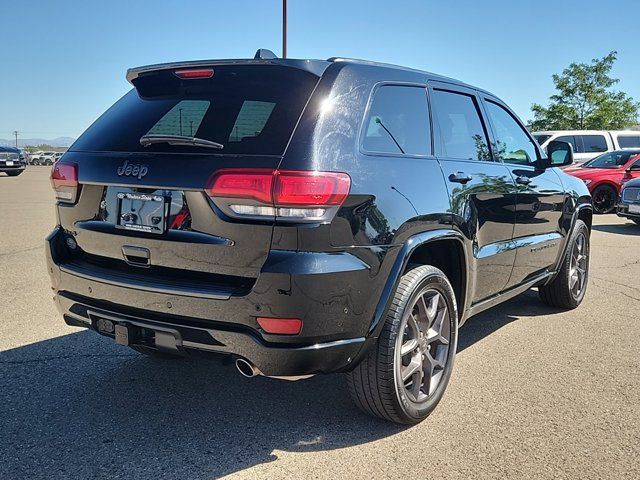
(63,62)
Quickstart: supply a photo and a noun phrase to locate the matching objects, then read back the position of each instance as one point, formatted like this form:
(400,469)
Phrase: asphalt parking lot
(536,393)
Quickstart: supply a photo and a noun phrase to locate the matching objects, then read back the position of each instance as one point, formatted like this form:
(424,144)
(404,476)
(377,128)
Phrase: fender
(400,263)
(574,218)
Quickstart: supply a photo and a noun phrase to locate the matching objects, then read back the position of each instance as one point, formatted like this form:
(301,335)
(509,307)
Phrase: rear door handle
(523,180)
(460,177)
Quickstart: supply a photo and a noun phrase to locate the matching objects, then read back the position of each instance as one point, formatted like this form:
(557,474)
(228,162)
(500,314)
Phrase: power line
(15,133)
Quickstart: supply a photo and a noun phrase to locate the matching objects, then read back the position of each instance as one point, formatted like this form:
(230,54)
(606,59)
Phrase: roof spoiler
(262,56)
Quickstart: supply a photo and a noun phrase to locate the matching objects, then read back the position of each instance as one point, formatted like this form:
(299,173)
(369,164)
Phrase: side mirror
(560,154)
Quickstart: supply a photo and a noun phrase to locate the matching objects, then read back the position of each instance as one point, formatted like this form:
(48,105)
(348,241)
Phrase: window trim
(457,89)
(364,126)
(538,149)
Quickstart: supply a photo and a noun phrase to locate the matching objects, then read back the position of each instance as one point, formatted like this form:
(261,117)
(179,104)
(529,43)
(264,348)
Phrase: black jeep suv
(307,216)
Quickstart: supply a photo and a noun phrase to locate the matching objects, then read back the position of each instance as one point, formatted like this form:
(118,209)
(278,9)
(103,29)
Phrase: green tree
(584,100)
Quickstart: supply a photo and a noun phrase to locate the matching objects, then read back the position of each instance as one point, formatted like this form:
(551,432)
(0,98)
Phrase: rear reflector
(288,195)
(64,180)
(194,73)
(280,326)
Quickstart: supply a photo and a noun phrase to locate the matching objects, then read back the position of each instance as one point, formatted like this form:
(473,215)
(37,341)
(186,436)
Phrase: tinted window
(610,160)
(398,121)
(572,140)
(250,109)
(513,145)
(541,138)
(460,133)
(593,143)
(629,141)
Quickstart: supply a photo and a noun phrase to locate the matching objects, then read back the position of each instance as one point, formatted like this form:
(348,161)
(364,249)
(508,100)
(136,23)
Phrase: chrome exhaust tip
(246,369)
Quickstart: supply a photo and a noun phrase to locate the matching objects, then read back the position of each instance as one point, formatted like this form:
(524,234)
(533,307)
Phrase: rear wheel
(568,288)
(404,376)
(604,199)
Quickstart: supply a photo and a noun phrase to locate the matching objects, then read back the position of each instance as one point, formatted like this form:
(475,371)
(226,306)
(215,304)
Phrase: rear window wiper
(147,140)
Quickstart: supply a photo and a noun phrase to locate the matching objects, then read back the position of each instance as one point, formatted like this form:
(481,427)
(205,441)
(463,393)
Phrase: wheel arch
(443,249)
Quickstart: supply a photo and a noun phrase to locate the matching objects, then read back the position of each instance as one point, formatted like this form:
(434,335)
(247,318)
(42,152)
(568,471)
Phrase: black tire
(375,384)
(14,174)
(151,352)
(604,199)
(561,292)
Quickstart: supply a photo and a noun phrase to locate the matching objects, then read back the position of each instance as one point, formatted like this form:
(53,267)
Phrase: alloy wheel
(579,265)
(422,350)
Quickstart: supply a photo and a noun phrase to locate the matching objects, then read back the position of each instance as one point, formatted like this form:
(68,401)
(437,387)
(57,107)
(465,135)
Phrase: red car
(605,175)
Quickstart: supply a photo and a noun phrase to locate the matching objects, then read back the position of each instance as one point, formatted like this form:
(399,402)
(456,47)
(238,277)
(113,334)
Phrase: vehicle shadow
(628,228)
(78,406)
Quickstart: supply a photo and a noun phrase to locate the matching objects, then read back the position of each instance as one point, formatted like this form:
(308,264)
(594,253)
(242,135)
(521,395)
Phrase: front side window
(513,145)
(541,138)
(571,140)
(398,121)
(629,141)
(460,133)
(593,143)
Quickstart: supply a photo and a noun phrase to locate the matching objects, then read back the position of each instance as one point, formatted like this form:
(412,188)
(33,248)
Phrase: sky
(64,62)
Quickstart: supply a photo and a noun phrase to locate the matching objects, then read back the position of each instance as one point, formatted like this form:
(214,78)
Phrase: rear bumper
(327,291)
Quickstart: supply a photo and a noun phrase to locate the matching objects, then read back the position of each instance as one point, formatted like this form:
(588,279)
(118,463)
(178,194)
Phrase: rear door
(482,192)
(540,198)
(147,206)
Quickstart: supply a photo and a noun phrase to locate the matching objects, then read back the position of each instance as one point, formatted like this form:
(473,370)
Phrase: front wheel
(404,375)
(604,199)
(567,290)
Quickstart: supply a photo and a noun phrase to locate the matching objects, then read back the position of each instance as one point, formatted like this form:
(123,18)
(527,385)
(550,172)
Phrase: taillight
(284,195)
(194,73)
(64,180)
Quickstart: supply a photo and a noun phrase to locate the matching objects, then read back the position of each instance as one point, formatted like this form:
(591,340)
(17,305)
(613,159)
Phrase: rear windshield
(249,109)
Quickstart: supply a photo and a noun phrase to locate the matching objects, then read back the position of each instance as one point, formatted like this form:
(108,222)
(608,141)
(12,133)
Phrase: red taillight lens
(250,184)
(310,188)
(64,180)
(288,195)
(280,326)
(193,73)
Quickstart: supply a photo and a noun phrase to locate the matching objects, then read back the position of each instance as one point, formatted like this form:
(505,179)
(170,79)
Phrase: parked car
(629,204)
(12,161)
(588,144)
(311,216)
(605,175)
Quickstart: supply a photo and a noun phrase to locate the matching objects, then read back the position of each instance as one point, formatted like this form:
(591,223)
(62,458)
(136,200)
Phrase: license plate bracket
(142,212)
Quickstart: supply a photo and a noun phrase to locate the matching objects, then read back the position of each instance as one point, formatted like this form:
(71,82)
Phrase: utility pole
(284,28)
(15,134)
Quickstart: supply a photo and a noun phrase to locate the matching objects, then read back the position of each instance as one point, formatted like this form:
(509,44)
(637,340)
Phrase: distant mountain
(23,142)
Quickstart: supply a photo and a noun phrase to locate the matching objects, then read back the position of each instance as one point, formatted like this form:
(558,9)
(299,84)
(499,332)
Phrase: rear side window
(398,121)
(593,143)
(249,109)
(629,141)
(541,138)
(459,130)
(513,144)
